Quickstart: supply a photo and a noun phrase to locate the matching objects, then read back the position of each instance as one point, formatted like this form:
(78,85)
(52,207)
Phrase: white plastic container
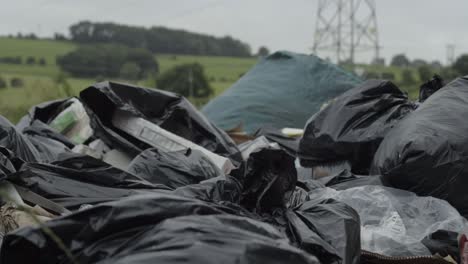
(162,139)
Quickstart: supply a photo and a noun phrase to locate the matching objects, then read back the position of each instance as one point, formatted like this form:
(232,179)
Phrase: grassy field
(40,86)
(39,82)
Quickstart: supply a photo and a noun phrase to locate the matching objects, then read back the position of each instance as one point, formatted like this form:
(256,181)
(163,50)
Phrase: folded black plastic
(173,169)
(170,111)
(430,87)
(444,243)
(75,180)
(352,126)
(16,142)
(427,152)
(7,163)
(157,228)
(290,144)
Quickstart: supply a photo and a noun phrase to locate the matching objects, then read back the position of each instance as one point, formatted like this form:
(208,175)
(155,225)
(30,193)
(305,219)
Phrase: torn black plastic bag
(427,152)
(352,126)
(158,228)
(76,180)
(167,110)
(270,175)
(16,142)
(173,169)
(34,126)
(36,121)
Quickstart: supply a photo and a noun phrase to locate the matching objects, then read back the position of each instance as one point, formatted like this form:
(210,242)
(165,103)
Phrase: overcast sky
(419,28)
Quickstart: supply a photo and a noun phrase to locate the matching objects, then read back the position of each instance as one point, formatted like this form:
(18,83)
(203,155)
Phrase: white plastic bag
(393,221)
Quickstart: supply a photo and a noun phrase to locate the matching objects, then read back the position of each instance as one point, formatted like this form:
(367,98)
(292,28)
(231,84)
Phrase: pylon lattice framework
(346,27)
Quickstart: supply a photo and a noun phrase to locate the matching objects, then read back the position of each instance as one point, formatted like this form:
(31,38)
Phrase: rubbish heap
(124,174)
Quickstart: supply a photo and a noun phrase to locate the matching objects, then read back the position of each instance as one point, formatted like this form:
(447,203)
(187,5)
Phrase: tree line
(158,39)
(19,60)
(109,60)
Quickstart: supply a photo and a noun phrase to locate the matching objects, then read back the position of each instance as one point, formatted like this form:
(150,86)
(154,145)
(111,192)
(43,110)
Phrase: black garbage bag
(157,228)
(352,126)
(427,152)
(430,87)
(76,180)
(16,142)
(173,169)
(326,229)
(170,111)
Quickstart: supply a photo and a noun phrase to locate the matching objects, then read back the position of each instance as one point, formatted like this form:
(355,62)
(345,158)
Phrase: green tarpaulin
(282,90)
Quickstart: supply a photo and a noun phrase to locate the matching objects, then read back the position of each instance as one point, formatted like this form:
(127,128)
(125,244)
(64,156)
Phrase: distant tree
(42,62)
(3,83)
(31,60)
(106,60)
(263,51)
(158,39)
(31,36)
(19,35)
(436,65)
(186,79)
(130,71)
(16,82)
(144,60)
(448,73)
(407,77)
(388,76)
(461,64)
(418,63)
(425,73)
(18,60)
(400,60)
(59,36)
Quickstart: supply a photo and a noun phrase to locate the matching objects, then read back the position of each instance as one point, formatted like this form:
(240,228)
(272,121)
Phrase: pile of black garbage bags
(374,176)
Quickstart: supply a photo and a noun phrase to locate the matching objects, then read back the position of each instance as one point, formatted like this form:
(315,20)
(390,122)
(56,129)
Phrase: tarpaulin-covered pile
(124,174)
(282,90)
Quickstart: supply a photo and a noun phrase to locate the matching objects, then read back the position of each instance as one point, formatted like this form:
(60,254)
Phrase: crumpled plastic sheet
(395,222)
